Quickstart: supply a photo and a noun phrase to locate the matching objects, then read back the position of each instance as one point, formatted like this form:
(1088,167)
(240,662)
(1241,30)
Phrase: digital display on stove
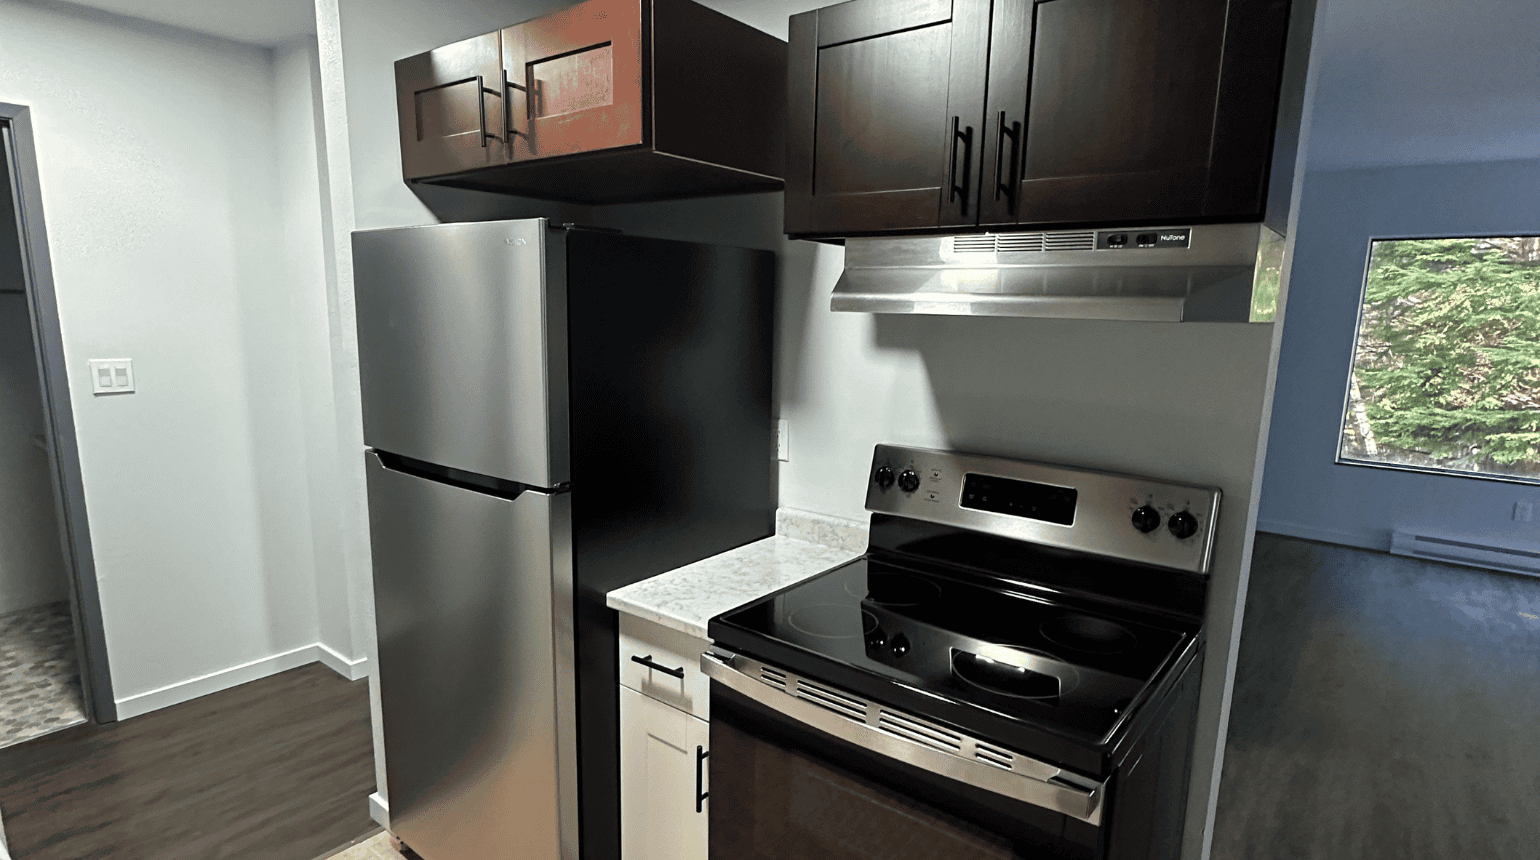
(1020,498)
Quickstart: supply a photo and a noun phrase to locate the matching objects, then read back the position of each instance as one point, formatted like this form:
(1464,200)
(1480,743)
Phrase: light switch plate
(112,376)
(782,440)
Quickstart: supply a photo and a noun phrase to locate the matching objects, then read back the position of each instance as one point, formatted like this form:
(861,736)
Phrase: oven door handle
(1029,780)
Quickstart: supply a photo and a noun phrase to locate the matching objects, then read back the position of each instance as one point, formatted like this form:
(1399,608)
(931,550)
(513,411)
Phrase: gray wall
(31,555)
(1306,493)
(1384,708)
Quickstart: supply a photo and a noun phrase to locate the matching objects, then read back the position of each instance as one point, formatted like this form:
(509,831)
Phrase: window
(1446,369)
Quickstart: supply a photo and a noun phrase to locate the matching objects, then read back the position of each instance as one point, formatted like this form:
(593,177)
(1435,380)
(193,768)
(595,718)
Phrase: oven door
(794,779)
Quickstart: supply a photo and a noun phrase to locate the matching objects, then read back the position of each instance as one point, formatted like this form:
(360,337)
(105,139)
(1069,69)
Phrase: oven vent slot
(773,678)
(913,730)
(989,754)
(839,703)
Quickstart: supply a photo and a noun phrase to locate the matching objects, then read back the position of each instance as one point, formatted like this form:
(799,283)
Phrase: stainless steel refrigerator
(551,413)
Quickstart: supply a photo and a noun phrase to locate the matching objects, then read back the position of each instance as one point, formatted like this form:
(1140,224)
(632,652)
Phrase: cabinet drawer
(669,649)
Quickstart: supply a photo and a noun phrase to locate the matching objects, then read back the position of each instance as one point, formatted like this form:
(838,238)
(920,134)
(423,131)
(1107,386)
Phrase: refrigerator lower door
(474,609)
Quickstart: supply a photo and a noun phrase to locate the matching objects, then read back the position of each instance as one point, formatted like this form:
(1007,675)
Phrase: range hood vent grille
(1162,274)
(1014,243)
(984,244)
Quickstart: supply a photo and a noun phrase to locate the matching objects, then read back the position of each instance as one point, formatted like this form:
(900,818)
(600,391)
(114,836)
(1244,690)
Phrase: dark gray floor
(39,673)
(277,769)
(1384,708)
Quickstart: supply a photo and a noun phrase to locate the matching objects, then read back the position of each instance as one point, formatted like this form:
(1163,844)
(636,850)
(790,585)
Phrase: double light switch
(112,375)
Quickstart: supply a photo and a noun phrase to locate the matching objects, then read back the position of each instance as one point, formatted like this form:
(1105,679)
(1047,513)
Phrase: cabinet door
(662,768)
(574,80)
(1101,109)
(450,108)
(885,101)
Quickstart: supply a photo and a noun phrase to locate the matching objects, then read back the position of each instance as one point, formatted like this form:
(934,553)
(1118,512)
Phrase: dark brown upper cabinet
(607,101)
(575,80)
(1098,112)
(885,100)
(442,99)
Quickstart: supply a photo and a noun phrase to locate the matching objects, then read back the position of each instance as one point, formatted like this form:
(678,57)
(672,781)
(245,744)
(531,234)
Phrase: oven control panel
(1122,516)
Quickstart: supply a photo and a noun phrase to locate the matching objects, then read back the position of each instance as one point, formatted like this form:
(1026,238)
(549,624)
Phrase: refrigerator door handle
(483,484)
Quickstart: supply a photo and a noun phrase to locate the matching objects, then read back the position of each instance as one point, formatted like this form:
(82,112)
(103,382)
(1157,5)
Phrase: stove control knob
(908,481)
(884,477)
(1146,519)
(900,645)
(1183,524)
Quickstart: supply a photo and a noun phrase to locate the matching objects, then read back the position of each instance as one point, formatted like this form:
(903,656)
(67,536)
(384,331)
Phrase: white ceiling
(257,22)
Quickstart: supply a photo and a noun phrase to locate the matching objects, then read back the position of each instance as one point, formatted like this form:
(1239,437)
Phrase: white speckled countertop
(685,598)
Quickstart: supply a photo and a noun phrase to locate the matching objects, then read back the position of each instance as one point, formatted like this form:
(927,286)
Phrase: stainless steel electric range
(1010,671)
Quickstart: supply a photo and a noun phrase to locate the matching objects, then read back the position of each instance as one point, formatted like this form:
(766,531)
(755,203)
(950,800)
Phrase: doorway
(53,668)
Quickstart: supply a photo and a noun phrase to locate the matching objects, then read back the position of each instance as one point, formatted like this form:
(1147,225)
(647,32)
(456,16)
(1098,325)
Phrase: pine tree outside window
(1446,369)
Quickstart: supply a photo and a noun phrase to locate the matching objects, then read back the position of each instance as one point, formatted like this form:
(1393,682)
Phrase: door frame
(20,161)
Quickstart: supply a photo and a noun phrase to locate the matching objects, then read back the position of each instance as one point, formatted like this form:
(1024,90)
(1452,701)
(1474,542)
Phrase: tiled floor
(376,847)
(39,678)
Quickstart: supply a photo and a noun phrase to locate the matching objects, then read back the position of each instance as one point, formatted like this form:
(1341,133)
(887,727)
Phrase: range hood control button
(1183,524)
(884,477)
(908,481)
(1146,519)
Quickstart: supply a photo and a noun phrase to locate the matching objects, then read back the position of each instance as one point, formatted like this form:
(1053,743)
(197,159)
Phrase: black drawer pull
(647,661)
(701,754)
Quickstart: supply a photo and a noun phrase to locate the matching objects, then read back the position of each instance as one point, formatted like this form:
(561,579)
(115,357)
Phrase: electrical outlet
(782,440)
(112,376)
(1524,511)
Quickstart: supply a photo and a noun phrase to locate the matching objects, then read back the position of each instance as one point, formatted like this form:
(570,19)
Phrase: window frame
(1347,384)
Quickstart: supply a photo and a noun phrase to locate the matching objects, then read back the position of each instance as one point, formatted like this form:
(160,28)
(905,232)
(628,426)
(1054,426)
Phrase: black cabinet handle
(1003,184)
(701,754)
(508,105)
(647,661)
(481,107)
(965,135)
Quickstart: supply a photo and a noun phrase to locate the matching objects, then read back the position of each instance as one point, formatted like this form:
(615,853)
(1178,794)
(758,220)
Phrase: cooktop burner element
(896,589)
(1087,634)
(832,621)
(1006,672)
(953,614)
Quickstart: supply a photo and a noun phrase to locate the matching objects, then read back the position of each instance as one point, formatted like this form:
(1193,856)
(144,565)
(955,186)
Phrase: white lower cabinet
(663,773)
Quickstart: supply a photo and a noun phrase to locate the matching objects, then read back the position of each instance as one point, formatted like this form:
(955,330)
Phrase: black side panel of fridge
(670,365)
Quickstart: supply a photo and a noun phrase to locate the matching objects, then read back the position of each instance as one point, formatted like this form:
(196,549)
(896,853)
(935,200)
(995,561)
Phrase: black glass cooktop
(1019,656)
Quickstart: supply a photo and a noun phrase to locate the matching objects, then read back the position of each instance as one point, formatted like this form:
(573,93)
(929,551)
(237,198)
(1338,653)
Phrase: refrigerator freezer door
(474,606)
(462,346)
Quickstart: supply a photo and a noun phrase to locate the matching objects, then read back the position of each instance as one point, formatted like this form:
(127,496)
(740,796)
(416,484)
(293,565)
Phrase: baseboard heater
(1513,559)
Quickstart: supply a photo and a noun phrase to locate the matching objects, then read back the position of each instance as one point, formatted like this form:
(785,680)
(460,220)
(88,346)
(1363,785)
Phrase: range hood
(1209,273)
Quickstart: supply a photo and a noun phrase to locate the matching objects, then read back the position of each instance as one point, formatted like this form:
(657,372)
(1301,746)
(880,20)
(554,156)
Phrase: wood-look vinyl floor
(277,769)
(377,847)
